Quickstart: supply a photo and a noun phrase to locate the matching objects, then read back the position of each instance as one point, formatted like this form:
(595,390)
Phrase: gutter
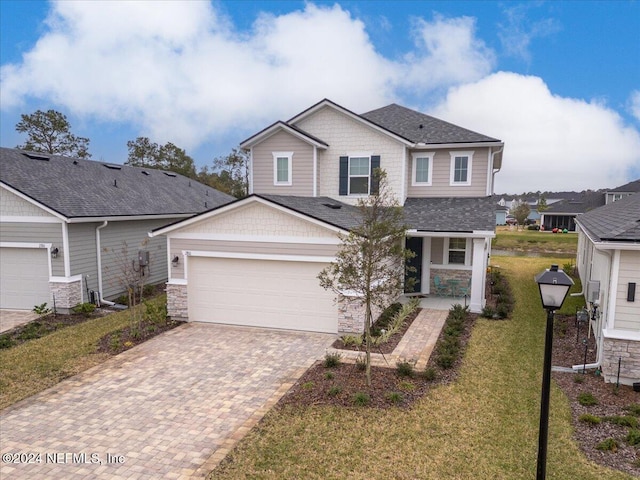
(495,170)
(99,259)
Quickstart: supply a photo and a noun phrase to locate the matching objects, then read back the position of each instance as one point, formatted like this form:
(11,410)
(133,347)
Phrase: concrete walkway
(170,408)
(12,318)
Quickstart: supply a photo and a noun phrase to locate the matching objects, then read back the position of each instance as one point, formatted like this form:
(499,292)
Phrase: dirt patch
(569,349)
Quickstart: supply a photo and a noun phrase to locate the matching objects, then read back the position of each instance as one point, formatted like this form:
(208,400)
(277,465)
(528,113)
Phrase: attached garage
(261,293)
(24,277)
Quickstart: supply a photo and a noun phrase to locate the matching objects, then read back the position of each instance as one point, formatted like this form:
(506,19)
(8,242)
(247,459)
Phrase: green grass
(507,239)
(483,426)
(41,363)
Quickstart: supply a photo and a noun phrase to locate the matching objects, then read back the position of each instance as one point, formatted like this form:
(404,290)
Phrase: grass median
(39,364)
(508,238)
(483,426)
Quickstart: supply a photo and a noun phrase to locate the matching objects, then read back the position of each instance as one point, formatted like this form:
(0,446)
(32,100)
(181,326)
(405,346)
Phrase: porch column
(478,276)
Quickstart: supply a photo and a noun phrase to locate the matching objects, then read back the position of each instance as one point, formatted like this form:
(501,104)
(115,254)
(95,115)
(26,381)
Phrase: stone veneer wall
(629,351)
(351,314)
(177,306)
(447,274)
(67,295)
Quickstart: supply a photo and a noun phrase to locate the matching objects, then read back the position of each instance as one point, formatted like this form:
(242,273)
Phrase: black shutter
(344,176)
(375,180)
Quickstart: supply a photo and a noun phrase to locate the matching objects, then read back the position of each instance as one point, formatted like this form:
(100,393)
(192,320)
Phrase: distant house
(562,214)
(623,191)
(501,215)
(70,226)
(608,262)
(255,261)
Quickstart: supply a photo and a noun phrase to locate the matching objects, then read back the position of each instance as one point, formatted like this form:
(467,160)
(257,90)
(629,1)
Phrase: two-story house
(256,261)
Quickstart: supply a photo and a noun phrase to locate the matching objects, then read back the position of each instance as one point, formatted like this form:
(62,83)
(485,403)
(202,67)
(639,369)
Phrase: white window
(282,168)
(461,168)
(457,251)
(422,169)
(359,175)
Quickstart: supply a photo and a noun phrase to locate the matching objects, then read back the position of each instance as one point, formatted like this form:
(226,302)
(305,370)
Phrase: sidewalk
(416,344)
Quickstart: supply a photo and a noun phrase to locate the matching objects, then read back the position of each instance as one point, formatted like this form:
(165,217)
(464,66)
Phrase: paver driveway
(170,407)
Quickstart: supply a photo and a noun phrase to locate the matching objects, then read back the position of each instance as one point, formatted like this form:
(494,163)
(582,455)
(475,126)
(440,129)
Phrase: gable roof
(280,125)
(77,188)
(451,214)
(578,204)
(616,222)
(631,187)
(420,128)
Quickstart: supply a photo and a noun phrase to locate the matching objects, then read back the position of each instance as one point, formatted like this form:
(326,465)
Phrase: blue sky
(558,82)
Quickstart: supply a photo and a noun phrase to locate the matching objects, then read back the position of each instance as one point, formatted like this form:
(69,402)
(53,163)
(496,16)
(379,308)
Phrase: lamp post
(554,286)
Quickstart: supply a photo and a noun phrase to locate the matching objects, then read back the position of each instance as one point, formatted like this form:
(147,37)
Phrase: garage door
(24,278)
(264,293)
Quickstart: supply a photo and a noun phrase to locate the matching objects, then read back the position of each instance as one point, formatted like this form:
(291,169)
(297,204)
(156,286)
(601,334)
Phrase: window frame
(452,171)
(414,168)
(466,250)
(368,176)
(276,157)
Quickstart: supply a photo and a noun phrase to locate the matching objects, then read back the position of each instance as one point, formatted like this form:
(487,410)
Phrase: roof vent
(37,156)
(421,126)
(75,162)
(112,166)
(332,206)
(170,174)
(144,172)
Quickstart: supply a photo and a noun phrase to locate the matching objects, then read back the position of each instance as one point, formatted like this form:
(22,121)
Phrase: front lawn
(483,426)
(508,238)
(38,364)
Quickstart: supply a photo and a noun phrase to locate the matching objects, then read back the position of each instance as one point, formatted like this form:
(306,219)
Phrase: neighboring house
(256,261)
(70,226)
(608,261)
(563,214)
(501,215)
(623,191)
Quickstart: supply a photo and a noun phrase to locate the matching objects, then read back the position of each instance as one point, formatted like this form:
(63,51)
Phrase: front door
(415,245)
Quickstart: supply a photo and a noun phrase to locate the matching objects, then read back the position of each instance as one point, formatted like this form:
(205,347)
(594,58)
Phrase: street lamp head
(554,286)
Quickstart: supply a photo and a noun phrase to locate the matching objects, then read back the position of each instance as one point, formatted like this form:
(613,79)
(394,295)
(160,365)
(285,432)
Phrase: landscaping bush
(361,399)
(633,437)
(590,419)
(587,399)
(623,420)
(361,363)
(86,309)
(394,397)
(332,360)
(382,323)
(633,409)
(334,390)
(404,368)
(352,340)
(430,374)
(608,445)
(488,312)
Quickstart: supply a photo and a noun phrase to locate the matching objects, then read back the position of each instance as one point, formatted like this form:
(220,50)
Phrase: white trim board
(260,256)
(230,237)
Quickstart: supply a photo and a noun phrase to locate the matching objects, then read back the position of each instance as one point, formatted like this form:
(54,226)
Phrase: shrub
(385,318)
(608,445)
(307,385)
(394,397)
(590,419)
(587,399)
(352,340)
(446,361)
(430,374)
(361,399)
(329,375)
(633,437)
(155,313)
(334,390)
(623,420)
(6,341)
(332,360)
(404,368)
(30,331)
(86,308)
(41,309)
(633,409)
(361,363)
(407,386)
(488,312)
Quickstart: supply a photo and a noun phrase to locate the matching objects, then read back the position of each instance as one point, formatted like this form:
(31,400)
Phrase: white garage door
(264,293)
(24,278)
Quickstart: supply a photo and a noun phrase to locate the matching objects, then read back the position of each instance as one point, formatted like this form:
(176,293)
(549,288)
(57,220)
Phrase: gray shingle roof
(628,188)
(460,214)
(418,127)
(579,203)
(617,221)
(85,188)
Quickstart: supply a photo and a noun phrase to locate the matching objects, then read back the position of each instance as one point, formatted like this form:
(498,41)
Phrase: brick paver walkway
(169,408)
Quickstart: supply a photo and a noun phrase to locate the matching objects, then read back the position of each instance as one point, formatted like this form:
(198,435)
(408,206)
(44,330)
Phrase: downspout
(315,171)
(99,259)
(495,170)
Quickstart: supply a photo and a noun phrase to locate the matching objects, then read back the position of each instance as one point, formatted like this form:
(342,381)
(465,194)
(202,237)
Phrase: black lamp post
(554,286)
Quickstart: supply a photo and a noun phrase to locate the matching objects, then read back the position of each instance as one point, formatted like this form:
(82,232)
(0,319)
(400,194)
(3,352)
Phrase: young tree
(230,175)
(50,132)
(542,204)
(521,211)
(371,261)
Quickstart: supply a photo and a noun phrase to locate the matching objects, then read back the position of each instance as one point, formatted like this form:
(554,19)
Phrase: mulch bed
(129,337)
(612,401)
(340,385)
(386,347)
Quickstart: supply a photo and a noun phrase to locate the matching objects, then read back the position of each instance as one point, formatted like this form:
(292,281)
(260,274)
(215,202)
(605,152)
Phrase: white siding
(628,313)
(346,136)
(37,233)
(13,205)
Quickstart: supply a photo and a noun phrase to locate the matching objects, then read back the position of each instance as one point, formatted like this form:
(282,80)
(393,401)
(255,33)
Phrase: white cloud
(634,104)
(179,72)
(517,33)
(551,142)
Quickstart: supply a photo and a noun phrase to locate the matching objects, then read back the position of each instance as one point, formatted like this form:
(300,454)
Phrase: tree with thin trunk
(521,211)
(50,132)
(371,262)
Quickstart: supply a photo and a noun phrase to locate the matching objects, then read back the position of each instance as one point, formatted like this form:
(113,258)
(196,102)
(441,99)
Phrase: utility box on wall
(593,291)
(143,258)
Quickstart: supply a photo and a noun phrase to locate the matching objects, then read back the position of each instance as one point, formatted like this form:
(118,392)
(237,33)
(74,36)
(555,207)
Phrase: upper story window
(282,162)
(357,174)
(461,168)
(457,251)
(422,169)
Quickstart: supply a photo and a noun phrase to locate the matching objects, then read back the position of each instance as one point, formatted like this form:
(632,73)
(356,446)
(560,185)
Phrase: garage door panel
(24,278)
(277,294)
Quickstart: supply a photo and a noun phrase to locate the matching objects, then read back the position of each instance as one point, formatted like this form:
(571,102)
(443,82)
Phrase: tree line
(50,132)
